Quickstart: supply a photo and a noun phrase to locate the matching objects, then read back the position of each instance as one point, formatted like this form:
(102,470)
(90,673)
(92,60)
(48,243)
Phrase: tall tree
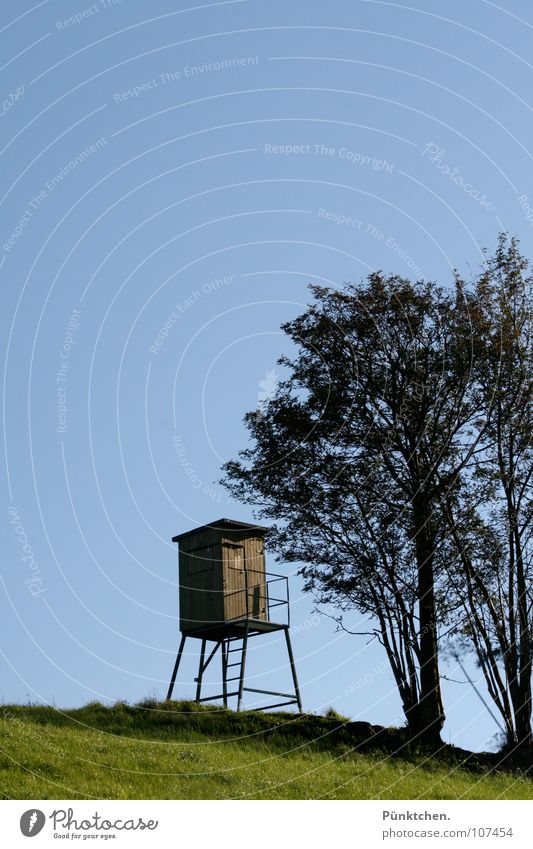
(352,457)
(491,524)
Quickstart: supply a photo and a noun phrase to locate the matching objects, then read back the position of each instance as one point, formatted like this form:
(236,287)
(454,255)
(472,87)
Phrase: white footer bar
(268,824)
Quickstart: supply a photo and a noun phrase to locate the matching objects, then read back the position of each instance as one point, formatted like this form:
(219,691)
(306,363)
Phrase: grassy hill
(179,750)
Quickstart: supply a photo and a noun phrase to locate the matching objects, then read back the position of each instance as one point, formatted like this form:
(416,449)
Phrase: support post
(243,665)
(176,667)
(293,670)
(200,672)
(224,673)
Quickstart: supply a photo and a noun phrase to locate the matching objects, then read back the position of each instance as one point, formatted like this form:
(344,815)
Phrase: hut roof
(222,525)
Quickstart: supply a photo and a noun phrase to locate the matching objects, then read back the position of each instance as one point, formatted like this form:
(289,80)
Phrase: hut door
(250,589)
(234,581)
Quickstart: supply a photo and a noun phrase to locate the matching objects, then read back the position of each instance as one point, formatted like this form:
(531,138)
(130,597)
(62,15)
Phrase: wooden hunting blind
(221,575)
(226,596)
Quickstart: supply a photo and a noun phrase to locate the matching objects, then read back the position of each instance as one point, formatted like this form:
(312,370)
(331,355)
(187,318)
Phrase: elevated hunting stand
(226,597)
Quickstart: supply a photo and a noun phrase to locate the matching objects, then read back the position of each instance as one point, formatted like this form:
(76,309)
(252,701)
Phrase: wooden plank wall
(212,592)
(255,563)
(201,597)
(234,583)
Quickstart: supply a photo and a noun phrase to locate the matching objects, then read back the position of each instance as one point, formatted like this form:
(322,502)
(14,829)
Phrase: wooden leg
(200,672)
(224,673)
(293,670)
(176,667)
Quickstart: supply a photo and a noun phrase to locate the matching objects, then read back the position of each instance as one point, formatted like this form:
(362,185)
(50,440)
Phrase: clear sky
(173,176)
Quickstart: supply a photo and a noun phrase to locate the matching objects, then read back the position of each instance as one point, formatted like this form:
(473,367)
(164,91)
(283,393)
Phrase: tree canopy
(394,461)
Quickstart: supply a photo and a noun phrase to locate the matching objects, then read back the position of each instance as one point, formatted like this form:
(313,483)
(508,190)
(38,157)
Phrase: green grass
(178,750)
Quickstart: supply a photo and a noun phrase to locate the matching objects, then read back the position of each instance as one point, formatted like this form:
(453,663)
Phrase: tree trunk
(428,718)
(524,707)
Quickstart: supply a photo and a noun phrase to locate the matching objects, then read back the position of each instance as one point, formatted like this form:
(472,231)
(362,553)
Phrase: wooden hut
(222,576)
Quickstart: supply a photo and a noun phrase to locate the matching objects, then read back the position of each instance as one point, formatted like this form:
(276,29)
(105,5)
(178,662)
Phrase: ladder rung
(232,664)
(236,678)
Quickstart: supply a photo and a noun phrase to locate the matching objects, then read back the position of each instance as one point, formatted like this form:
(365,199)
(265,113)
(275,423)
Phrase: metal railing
(254,609)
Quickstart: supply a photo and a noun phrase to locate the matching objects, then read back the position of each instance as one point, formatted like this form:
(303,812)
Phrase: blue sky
(173,178)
